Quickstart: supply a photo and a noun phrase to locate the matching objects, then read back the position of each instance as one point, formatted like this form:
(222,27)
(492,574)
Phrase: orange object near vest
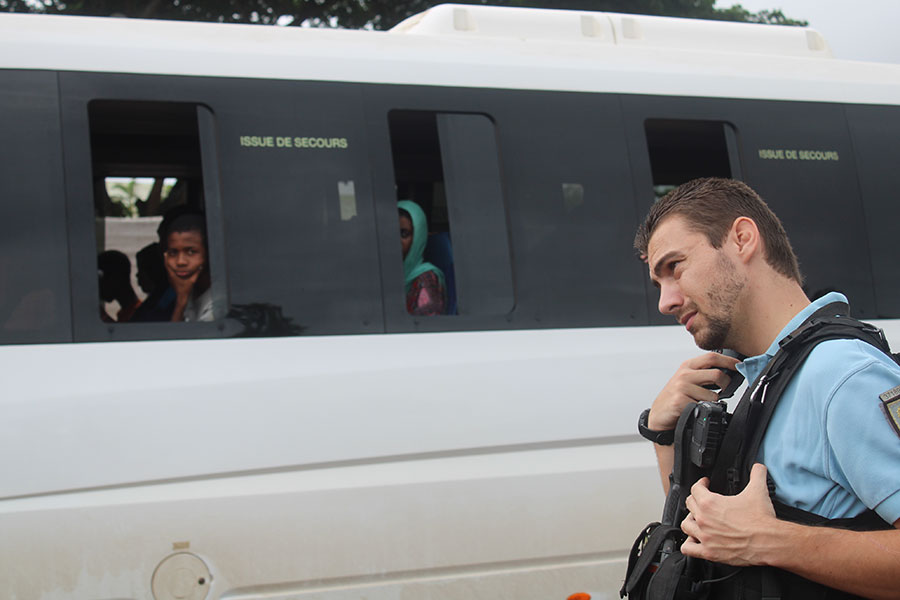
(579,596)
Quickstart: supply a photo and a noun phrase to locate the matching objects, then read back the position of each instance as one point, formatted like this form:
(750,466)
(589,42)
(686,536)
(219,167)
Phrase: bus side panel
(320,463)
(473,461)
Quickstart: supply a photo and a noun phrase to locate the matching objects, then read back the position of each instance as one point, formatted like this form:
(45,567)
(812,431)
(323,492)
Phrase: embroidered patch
(890,404)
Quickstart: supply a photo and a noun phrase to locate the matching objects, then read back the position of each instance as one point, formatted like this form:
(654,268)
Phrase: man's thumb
(758,477)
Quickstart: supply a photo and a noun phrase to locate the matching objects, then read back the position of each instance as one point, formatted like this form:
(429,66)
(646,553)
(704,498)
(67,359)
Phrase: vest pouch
(676,579)
(658,571)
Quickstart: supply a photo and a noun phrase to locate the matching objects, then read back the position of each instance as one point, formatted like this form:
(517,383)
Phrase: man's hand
(686,386)
(742,530)
(725,528)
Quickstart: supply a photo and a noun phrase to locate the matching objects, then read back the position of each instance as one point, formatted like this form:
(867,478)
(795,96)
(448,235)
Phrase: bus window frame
(636,111)
(76,91)
(487,317)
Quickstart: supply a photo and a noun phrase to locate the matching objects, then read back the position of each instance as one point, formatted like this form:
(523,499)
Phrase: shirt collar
(751,367)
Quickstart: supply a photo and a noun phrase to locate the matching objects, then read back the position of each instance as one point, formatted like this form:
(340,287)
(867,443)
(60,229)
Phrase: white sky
(858,30)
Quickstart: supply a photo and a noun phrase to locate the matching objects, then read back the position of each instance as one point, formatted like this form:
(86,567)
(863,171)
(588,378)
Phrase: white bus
(315,441)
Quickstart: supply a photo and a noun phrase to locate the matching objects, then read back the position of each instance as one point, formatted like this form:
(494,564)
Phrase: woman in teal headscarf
(425,289)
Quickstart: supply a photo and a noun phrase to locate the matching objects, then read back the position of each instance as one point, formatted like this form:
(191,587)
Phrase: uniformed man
(726,271)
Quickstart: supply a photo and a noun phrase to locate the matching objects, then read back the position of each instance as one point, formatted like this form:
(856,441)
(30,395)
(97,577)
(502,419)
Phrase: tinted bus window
(298,210)
(34,286)
(876,143)
(448,164)
(799,157)
(572,211)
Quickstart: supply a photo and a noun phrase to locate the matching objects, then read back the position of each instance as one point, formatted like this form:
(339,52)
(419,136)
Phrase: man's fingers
(758,482)
(691,547)
(687,385)
(711,360)
(710,377)
(721,379)
(698,393)
(689,526)
(702,375)
(700,489)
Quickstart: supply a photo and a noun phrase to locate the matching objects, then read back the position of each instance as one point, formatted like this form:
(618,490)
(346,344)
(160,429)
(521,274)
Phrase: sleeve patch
(890,404)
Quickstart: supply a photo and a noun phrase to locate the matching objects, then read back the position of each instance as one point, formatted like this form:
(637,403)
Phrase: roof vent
(613,29)
(592,27)
(462,20)
(815,41)
(531,24)
(631,29)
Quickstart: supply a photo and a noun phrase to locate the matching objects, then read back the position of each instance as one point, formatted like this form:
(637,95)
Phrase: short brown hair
(710,206)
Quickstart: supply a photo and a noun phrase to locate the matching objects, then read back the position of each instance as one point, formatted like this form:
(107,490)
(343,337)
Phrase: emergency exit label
(283,141)
(790,154)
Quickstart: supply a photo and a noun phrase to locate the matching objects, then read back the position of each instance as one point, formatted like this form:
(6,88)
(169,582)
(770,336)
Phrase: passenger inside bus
(182,237)
(115,285)
(439,252)
(153,281)
(426,291)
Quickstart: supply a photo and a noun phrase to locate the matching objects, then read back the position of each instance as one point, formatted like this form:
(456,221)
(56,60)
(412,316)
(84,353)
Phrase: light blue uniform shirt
(829,447)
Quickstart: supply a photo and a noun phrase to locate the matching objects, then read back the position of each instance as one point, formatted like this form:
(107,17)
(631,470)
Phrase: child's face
(185,255)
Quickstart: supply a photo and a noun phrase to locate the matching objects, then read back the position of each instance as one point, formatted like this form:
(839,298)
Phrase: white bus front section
(447,465)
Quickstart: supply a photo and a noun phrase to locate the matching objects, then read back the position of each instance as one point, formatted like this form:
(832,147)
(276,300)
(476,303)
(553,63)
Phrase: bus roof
(470,46)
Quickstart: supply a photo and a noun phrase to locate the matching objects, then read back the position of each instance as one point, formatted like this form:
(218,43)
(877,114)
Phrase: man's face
(185,254)
(698,284)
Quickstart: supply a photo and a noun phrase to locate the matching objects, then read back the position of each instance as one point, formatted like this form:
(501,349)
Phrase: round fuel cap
(182,576)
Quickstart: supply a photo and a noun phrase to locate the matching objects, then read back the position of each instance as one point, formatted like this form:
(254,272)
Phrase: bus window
(447,164)
(682,149)
(34,280)
(876,144)
(153,259)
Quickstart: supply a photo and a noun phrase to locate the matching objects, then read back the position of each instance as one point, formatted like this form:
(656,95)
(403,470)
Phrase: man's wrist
(781,543)
(663,438)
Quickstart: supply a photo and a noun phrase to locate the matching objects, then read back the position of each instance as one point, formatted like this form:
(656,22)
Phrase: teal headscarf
(414,264)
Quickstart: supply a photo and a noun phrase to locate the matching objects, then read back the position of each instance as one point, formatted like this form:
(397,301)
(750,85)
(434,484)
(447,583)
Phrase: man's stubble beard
(723,296)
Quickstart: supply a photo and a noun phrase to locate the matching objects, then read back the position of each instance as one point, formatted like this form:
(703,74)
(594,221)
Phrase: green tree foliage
(768,17)
(376,14)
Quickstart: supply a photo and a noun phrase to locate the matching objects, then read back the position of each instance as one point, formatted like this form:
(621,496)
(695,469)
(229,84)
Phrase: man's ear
(744,235)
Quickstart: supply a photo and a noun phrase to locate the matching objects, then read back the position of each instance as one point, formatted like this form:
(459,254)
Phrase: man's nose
(670,298)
